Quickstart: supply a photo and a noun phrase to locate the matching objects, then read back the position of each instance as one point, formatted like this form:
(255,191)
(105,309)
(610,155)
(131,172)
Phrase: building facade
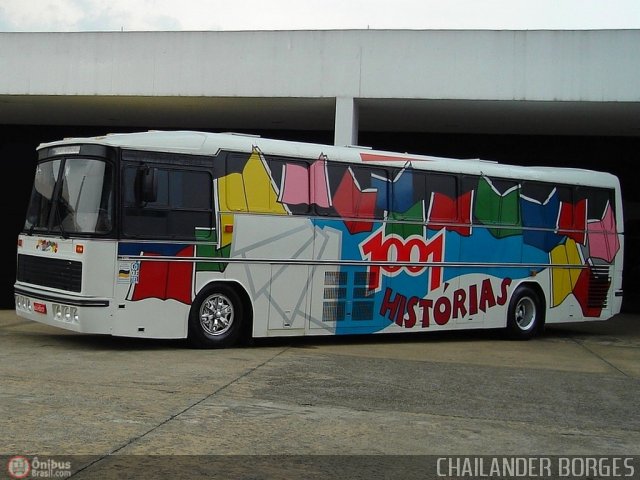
(565,98)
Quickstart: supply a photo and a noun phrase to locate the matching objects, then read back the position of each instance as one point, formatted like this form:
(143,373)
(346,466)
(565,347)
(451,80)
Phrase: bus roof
(205,143)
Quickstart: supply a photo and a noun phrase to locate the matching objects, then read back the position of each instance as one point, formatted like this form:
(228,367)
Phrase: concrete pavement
(573,391)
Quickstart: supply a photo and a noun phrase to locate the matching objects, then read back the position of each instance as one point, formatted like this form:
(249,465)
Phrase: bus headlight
(65,313)
(23,303)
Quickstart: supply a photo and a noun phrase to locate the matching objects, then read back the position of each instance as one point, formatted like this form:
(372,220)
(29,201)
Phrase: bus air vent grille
(599,282)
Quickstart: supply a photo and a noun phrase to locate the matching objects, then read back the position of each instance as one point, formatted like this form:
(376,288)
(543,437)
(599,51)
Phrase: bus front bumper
(85,315)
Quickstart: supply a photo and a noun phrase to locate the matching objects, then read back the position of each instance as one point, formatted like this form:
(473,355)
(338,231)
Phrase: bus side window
(183,205)
(597,200)
(146,184)
(497,202)
(540,203)
(295,180)
(254,183)
(362,193)
(572,220)
(442,205)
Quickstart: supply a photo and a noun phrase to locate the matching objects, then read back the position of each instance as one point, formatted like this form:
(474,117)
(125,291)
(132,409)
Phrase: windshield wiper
(63,232)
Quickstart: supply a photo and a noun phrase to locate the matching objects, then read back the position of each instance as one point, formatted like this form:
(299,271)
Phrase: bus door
(290,282)
(277,250)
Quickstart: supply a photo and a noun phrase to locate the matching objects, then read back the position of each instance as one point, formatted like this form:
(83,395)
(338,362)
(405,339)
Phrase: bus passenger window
(183,206)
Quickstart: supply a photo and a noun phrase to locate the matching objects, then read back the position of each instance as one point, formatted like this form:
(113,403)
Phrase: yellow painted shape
(260,191)
(230,198)
(251,191)
(231,194)
(563,280)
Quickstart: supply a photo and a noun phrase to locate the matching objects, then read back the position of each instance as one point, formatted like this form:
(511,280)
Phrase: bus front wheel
(215,319)
(525,314)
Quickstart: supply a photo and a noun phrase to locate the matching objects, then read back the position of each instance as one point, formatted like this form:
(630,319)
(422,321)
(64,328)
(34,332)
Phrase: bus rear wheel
(215,319)
(525,314)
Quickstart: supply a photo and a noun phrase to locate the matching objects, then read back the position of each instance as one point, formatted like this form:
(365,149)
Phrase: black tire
(525,315)
(216,317)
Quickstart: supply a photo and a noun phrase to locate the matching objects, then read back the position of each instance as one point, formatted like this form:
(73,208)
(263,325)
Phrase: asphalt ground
(357,407)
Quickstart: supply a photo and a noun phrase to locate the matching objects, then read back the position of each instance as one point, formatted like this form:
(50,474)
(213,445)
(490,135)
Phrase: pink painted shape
(295,185)
(319,183)
(603,237)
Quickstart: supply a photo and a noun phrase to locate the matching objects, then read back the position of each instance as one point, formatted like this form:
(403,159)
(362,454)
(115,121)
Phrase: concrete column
(346,122)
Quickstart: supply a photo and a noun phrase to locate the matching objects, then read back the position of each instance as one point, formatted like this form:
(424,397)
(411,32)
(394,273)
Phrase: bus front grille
(50,272)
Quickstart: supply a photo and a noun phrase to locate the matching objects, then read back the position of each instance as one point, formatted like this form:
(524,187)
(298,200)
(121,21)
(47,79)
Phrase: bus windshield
(71,195)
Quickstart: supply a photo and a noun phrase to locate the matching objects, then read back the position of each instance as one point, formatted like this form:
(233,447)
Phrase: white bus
(220,237)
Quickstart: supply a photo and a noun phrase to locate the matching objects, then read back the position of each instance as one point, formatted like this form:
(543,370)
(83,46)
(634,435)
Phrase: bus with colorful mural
(219,237)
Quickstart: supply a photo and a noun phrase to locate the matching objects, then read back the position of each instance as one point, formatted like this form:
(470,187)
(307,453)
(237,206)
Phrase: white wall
(591,66)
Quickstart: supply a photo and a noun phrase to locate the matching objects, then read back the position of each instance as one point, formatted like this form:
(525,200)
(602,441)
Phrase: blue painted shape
(166,249)
(542,217)
(401,188)
(481,248)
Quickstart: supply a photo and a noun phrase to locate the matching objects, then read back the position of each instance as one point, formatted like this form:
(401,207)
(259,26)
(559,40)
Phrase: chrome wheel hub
(525,313)
(216,314)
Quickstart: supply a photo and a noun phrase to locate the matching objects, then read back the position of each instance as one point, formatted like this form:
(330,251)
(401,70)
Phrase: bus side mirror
(146,184)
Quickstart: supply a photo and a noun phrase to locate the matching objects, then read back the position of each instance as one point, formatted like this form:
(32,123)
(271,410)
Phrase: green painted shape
(491,208)
(206,235)
(212,251)
(396,226)
(204,250)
